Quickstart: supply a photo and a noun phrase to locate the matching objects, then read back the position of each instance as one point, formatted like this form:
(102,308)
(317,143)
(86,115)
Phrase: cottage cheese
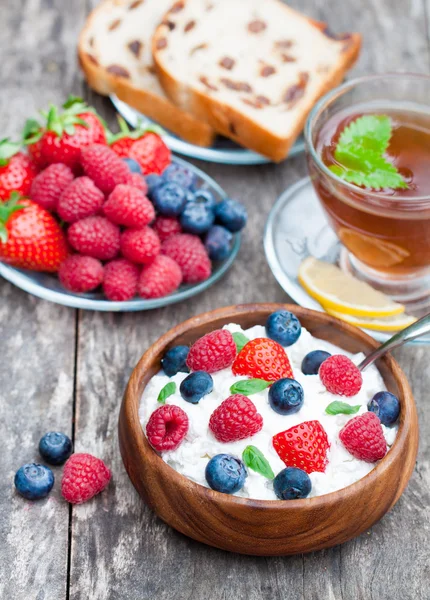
(199,445)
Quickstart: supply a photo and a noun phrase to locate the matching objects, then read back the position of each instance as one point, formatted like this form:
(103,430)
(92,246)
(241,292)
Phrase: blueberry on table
(292,483)
(286,396)
(232,214)
(153,181)
(55,447)
(133,165)
(218,242)
(386,406)
(175,173)
(225,473)
(313,360)
(34,481)
(204,197)
(174,361)
(283,327)
(195,386)
(196,218)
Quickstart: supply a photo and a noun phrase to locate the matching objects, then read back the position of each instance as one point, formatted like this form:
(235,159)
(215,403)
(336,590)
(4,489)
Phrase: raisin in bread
(115,55)
(251,69)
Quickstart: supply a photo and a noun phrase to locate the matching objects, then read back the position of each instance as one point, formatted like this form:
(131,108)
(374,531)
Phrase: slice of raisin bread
(115,54)
(251,69)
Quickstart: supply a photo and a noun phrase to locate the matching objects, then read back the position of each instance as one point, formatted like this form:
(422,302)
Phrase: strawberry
(17,170)
(303,446)
(151,153)
(65,134)
(122,142)
(263,358)
(30,237)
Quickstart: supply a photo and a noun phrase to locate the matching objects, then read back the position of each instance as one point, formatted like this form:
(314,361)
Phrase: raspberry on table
(81,274)
(84,476)
(129,206)
(235,419)
(140,245)
(48,185)
(166,227)
(212,352)
(167,427)
(363,437)
(303,446)
(263,358)
(104,167)
(96,237)
(190,254)
(79,200)
(160,278)
(120,280)
(340,376)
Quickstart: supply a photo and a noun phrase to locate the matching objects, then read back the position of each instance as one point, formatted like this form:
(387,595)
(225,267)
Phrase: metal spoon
(417,329)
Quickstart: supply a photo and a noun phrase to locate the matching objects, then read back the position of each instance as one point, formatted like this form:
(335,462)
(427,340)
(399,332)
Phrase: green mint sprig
(168,390)
(240,340)
(342,408)
(254,459)
(247,387)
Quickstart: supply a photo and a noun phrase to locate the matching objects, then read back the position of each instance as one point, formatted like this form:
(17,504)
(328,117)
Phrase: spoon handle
(417,329)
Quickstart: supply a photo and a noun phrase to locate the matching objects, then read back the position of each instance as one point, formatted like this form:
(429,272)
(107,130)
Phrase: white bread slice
(115,54)
(252,69)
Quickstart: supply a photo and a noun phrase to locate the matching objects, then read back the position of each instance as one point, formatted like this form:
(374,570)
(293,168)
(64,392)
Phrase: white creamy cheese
(192,456)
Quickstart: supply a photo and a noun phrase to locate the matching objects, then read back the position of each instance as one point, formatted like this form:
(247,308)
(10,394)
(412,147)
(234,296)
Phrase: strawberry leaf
(6,210)
(32,132)
(72,101)
(254,459)
(7,150)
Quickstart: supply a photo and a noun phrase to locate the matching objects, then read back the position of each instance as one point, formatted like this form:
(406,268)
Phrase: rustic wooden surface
(63,369)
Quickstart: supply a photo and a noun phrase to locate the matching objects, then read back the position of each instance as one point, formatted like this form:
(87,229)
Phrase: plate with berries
(98,221)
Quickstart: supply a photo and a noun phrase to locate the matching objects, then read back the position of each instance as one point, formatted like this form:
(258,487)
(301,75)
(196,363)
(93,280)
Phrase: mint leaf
(249,386)
(342,408)
(254,459)
(168,390)
(240,340)
(372,132)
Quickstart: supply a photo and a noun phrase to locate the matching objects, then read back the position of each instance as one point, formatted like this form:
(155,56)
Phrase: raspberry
(235,419)
(340,376)
(84,476)
(160,278)
(129,206)
(96,237)
(166,227)
(212,352)
(190,254)
(79,200)
(48,186)
(263,358)
(140,245)
(167,427)
(120,280)
(104,167)
(363,437)
(138,182)
(303,446)
(81,273)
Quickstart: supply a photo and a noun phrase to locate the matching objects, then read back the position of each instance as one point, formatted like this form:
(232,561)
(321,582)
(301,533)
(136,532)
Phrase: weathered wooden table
(66,370)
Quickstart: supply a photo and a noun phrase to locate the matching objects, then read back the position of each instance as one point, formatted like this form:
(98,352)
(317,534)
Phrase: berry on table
(140,245)
(292,483)
(190,254)
(313,360)
(55,447)
(153,181)
(283,327)
(303,446)
(212,352)
(340,376)
(204,198)
(235,419)
(169,199)
(120,280)
(231,214)
(81,274)
(104,167)
(17,170)
(174,361)
(363,437)
(386,406)
(34,481)
(84,476)
(225,473)
(167,427)
(48,185)
(195,386)
(166,227)
(79,200)
(196,218)
(151,153)
(183,176)
(129,207)
(218,242)
(96,237)
(286,396)
(160,278)
(132,164)
(263,358)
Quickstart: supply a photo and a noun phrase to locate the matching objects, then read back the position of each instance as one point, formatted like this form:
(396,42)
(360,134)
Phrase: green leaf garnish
(168,390)
(254,459)
(240,340)
(360,154)
(249,386)
(342,408)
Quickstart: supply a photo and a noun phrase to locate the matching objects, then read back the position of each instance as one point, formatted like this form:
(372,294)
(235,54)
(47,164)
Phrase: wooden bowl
(266,527)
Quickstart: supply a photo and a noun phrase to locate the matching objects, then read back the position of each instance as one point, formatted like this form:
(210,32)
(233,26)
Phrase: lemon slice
(373,251)
(336,290)
(395,323)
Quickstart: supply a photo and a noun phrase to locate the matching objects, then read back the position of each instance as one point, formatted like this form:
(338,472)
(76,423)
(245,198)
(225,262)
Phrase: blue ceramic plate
(49,288)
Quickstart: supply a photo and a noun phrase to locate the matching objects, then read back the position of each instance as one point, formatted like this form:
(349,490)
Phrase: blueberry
(178,174)
(153,181)
(218,242)
(174,361)
(196,218)
(34,481)
(133,165)
(283,327)
(206,198)
(225,473)
(286,396)
(386,406)
(313,360)
(55,447)
(232,214)
(169,199)
(195,386)
(292,483)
